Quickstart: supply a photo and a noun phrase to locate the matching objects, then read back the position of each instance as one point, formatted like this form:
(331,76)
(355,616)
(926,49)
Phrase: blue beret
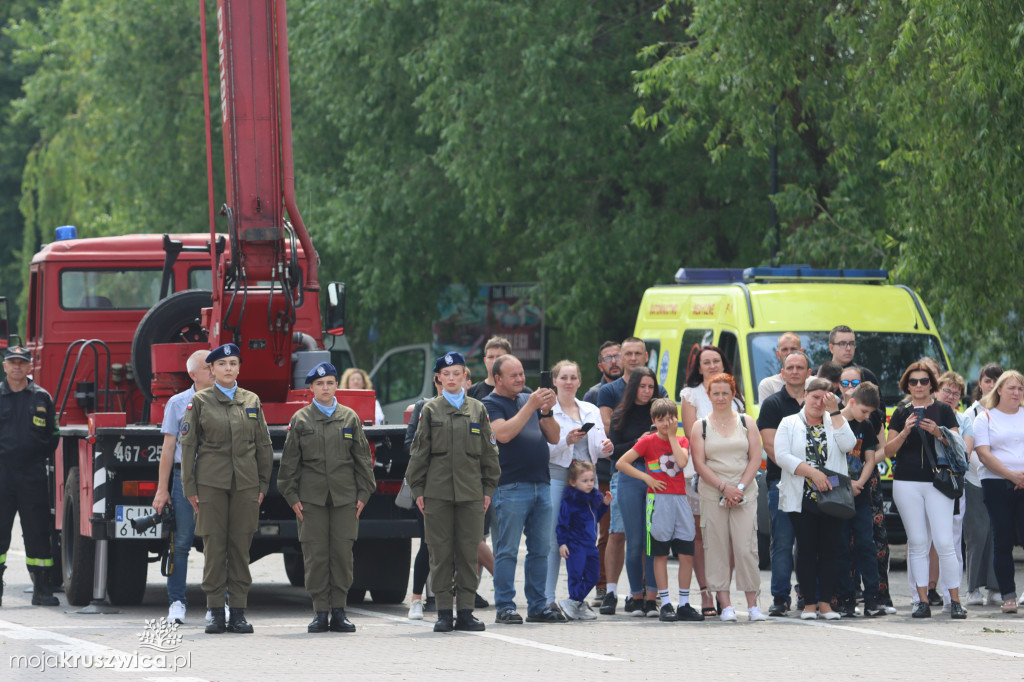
(449,359)
(324,369)
(221,352)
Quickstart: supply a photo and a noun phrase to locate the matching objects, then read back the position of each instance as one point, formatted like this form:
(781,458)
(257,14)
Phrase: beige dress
(729,526)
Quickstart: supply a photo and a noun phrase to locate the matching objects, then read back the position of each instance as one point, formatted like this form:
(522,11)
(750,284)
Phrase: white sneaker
(176,614)
(728,615)
(975,599)
(587,613)
(754,614)
(994,598)
(1020,600)
(570,608)
(889,609)
(416,610)
(946,607)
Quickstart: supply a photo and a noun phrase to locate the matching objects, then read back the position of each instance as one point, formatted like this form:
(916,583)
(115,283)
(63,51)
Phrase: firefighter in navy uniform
(28,436)
(226,461)
(453,471)
(326,477)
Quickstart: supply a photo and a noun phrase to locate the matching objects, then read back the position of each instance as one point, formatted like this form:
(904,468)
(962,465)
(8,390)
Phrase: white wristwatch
(742,487)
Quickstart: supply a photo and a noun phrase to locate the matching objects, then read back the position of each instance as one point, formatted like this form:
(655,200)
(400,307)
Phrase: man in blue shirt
(523,426)
(170,460)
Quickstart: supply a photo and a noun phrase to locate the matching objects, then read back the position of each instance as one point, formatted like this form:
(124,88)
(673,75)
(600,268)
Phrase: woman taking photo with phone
(581,436)
(927,514)
(998,435)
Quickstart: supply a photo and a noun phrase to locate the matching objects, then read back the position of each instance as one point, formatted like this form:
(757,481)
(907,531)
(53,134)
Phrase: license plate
(123,527)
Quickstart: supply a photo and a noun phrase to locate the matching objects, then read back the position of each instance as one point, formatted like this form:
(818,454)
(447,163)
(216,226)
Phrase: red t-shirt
(661,464)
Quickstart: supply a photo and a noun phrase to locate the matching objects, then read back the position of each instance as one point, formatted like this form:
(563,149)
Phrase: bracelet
(545,416)
(832,414)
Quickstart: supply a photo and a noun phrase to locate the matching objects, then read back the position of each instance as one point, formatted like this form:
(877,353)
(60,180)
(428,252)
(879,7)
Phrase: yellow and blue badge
(347,434)
(252,412)
(474,428)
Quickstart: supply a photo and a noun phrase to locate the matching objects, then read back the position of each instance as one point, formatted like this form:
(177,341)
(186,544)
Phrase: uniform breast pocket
(312,450)
(439,438)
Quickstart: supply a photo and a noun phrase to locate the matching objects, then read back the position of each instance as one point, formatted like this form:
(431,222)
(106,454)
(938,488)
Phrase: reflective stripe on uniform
(35,562)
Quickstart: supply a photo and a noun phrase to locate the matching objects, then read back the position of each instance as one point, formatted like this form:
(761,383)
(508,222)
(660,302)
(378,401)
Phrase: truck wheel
(173,320)
(356,596)
(127,566)
(388,596)
(76,550)
(295,569)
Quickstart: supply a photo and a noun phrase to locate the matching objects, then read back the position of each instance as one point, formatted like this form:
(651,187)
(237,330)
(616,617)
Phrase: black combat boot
(237,622)
(465,621)
(216,625)
(41,594)
(445,621)
(339,623)
(320,622)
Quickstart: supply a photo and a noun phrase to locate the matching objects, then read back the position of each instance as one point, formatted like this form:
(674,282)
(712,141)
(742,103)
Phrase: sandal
(707,611)
(1009,606)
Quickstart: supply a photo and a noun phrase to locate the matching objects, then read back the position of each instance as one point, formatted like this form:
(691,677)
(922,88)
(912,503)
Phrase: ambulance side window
(693,340)
(727,342)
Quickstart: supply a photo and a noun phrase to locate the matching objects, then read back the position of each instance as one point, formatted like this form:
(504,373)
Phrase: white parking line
(490,635)
(909,638)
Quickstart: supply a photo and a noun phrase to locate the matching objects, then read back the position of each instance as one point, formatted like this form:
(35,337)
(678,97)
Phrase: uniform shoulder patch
(474,428)
(347,434)
(184,426)
(494,441)
(189,407)
(252,412)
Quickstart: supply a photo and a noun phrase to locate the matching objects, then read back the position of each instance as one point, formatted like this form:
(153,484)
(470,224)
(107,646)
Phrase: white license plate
(123,527)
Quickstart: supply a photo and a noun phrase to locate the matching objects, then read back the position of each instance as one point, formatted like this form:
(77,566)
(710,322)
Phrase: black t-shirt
(775,408)
(867,439)
(911,461)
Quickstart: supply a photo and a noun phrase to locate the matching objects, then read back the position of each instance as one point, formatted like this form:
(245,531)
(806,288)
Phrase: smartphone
(919,411)
(586,427)
(545,380)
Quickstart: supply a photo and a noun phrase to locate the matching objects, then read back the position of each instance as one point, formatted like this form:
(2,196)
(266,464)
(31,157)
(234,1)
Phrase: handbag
(838,501)
(948,482)
(404,498)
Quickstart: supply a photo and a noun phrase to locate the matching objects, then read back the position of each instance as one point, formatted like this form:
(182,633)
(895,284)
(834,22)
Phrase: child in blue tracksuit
(582,508)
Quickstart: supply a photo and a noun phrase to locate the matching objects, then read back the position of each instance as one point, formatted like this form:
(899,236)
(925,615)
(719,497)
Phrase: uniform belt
(177,465)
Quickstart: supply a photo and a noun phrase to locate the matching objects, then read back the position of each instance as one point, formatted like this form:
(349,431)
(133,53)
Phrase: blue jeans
(521,508)
(782,545)
(862,528)
(185,520)
(633,508)
(554,558)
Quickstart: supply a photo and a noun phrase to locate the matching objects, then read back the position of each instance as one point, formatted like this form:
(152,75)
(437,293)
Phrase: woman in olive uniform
(226,461)
(453,471)
(326,476)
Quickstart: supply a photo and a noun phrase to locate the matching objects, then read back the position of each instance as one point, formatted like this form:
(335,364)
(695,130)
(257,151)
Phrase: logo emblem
(321,371)
(448,359)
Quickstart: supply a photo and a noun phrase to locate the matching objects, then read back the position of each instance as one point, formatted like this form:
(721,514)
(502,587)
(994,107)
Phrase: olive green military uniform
(326,466)
(226,459)
(453,464)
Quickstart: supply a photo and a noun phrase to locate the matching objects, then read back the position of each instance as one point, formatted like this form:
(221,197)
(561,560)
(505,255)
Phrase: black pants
(27,496)
(1006,514)
(817,552)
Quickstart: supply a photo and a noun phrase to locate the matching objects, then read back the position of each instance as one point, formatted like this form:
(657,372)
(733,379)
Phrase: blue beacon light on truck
(65,232)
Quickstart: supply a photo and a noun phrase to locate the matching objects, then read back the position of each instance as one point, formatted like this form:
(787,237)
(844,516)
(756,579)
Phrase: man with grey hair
(788,342)
(170,461)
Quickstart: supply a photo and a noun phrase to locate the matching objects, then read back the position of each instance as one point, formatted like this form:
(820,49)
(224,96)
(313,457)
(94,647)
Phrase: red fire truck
(112,320)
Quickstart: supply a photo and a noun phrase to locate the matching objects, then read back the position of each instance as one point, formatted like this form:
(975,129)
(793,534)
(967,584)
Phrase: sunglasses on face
(847,383)
(919,382)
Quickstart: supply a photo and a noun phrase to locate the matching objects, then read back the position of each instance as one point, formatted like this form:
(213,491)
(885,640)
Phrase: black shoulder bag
(946,481)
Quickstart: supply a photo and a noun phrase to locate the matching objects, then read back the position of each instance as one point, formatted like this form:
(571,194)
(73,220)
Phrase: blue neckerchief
(328,411)
(229,392)
(455,399)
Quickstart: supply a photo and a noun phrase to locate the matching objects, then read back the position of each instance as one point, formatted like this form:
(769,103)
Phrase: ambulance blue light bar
(792,273)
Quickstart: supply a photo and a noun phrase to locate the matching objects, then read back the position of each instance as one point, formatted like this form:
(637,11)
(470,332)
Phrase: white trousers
(927,516)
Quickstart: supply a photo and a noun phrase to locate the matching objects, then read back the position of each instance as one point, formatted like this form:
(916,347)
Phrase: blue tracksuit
(577,530)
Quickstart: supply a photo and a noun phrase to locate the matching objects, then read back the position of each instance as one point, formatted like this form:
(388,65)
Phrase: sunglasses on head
(919,382)
(846,383)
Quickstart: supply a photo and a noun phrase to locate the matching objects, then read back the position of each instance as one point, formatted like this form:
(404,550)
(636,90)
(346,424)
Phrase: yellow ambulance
(743,312)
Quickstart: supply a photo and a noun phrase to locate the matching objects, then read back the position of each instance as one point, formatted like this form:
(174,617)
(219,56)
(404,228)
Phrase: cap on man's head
(448,360)
(324,369)
(220,352)
(18,353)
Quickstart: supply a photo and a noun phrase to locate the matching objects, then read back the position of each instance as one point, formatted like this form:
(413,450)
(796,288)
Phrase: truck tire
(175,319)
(294,569)
(127,568)
(388,596)
(382,569)
(76,550)
(356,596)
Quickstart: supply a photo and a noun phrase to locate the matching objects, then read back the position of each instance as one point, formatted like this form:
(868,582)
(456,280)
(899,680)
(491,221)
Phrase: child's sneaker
(728,615)
(667,613)
(687,613)
(634,607)
(608,604)
(599,597)
(651,609)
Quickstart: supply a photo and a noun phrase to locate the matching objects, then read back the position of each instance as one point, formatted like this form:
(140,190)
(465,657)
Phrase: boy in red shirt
(670,523)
